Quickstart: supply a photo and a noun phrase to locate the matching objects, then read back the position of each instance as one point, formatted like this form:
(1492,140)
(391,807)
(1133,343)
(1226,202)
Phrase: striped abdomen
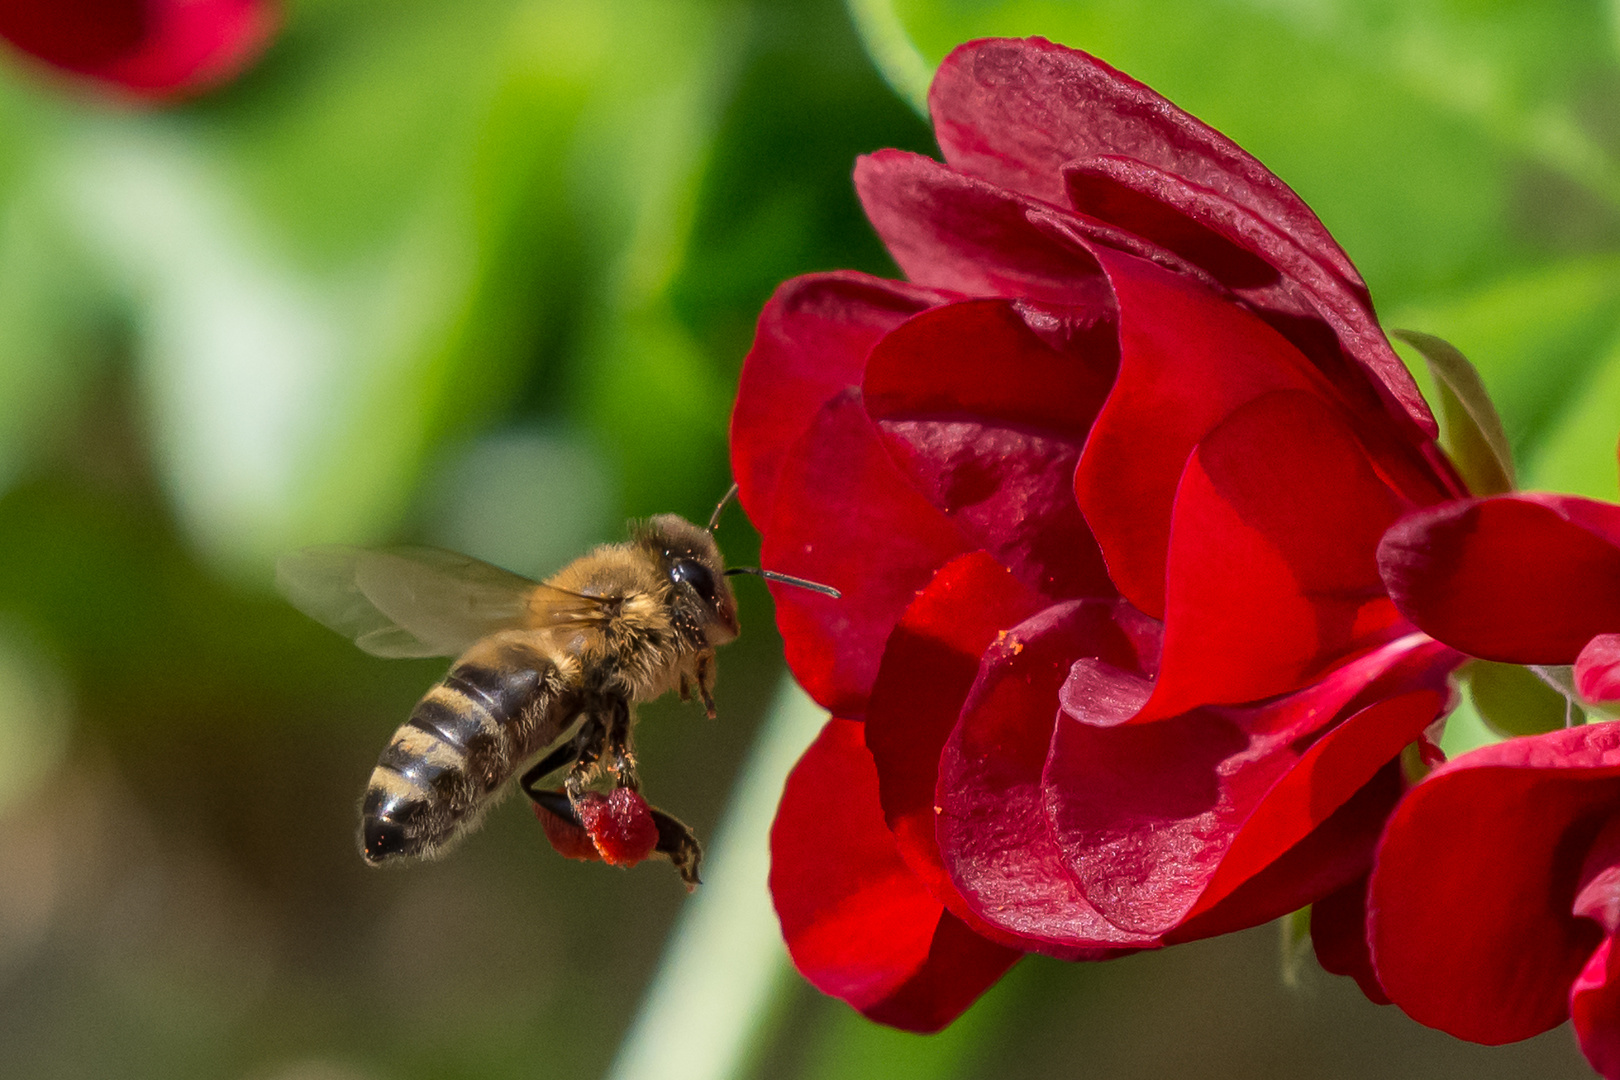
(462,742)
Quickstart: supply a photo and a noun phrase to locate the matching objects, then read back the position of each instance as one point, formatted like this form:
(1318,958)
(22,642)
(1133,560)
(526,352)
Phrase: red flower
(1108,470)
(1524,579)
(146,48)
(1496,897)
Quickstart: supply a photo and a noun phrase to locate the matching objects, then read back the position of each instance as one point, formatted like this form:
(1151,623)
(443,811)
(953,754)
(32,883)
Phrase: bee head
(701,597)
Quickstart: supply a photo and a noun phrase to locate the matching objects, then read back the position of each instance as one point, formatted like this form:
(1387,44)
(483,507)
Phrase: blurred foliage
(482,274)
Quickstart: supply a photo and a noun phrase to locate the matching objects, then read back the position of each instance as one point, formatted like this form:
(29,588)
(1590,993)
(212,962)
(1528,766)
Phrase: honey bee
(557,665)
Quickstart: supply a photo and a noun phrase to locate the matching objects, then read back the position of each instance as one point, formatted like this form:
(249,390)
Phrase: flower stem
(724,964)
(897,58)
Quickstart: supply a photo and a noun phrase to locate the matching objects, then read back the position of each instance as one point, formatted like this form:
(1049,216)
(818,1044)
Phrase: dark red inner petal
(1524,579)
(1339,936)
(846,516)
(992,831)
(929,665)
(981,359)
(858,924)
(1296,294)
(811,343)
(1163,821)
(1470,906)
(1015,112)
(1188,358)
(950,231)
(1271,573)
(1594,1006)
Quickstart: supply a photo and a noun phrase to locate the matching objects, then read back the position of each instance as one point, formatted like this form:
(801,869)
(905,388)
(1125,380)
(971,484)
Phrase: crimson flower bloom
(143,48)
(1495,902)
(1102,484)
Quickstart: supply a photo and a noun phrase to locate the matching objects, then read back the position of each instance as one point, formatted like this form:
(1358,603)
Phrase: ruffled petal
(1524,579)
(858,924)
(1316,309)
(1339,936)
(1271,575)
(1594,1006)
(953,232)
(986,417)
(846,516)
(148,48)
(1597,669)
(1189,817)
(1470,905)
(1016,112)
(1188,358)
(811,343)
(992,831)
(929,665)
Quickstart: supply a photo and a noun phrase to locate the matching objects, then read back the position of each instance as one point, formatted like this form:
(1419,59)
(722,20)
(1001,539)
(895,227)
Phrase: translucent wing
(405,602)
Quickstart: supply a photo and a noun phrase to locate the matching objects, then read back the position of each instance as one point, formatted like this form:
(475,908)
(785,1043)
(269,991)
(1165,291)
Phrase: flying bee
(552,666)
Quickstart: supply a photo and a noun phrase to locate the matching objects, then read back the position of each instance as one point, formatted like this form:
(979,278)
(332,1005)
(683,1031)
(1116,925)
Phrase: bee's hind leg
(678,842)
(566,754)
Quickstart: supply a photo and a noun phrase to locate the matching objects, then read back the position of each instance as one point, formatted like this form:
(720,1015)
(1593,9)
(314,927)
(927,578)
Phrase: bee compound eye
(695,574)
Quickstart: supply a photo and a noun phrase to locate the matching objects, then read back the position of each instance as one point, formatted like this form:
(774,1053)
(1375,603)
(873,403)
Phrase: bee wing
(407,602)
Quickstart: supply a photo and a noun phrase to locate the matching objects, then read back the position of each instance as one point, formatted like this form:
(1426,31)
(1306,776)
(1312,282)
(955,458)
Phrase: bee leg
(622,760)
(589,742)
(705,681)
(565,754)
(680,844)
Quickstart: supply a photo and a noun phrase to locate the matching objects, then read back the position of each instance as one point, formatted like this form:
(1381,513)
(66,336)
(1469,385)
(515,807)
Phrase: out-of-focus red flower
(1102,485)
(1526,579)
(1493,907)
(144,48)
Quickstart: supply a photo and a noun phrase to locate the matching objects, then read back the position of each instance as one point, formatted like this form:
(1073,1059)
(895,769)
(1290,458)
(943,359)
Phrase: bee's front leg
(705,681)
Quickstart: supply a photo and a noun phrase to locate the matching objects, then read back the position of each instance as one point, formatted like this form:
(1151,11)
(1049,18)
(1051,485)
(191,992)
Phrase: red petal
(1272,575)
(1525,579)
(1594,1006)
(992,830)
(1165,821)
(949,231)
(1470,906)
(1339,935)
(811,343)
(1261,264)
(1015,112)
(151,49)
(987,416)
(928,668)
(620,825)
(846,516)
(1597,669)
(984,358)
(858,924)
(1188,359)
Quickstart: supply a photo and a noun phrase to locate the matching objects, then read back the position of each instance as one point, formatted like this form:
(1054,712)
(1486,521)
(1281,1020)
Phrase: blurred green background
(481,273)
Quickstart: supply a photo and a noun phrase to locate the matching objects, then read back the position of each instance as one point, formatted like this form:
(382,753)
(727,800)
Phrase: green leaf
(1471,431)
(1514,701)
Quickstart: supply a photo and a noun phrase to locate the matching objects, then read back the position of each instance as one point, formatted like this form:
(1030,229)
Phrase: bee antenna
(786,579)
(714,518)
